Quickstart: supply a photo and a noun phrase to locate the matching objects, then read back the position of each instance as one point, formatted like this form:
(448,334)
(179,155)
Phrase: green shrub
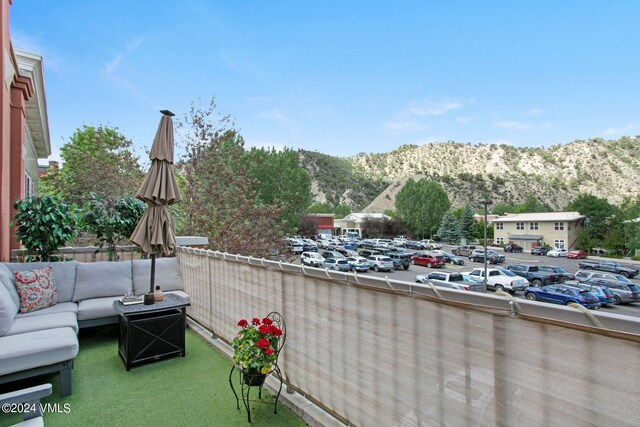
(44,224)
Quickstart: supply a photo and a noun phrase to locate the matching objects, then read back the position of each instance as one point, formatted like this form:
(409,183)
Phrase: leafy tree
(96,160)
(44,224)
(598,213)
(531,204)
(502,208)
(112,220)
(467,223)
(222,200)
(319,207)
(449,230)
(480,230)
(342,210)
(391,213)
(281,180)
(421,205)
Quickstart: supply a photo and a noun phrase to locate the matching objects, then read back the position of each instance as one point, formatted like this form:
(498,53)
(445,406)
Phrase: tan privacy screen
(376,357)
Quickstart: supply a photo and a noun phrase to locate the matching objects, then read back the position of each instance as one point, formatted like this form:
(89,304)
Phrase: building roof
(361,216)
(539,217)
(30,66)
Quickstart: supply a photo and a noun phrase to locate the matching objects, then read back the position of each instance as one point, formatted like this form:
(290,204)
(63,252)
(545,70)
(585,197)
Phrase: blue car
(562,294)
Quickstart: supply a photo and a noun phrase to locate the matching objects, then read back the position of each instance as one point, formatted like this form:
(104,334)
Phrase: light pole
(485,203)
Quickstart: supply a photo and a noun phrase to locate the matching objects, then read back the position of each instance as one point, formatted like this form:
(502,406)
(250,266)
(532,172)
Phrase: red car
(579,254)
(428,260)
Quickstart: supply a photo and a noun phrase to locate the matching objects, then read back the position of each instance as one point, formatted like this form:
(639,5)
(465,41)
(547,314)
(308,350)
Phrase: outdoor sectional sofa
(45,340)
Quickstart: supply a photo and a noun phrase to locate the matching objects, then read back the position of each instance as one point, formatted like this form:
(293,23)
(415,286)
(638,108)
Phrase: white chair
(31,397)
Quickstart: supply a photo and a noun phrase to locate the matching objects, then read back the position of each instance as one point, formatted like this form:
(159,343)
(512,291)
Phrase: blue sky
(342,77)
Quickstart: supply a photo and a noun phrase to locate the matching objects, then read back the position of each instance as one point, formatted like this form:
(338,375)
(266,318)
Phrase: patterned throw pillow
(36,289)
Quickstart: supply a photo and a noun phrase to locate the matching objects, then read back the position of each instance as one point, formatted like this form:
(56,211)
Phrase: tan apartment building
(556,229)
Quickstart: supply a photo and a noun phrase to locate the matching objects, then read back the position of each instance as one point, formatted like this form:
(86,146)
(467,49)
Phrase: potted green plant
(255,349)
(44,224)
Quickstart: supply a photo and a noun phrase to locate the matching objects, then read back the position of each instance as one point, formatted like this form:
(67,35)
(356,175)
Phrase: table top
(170,301)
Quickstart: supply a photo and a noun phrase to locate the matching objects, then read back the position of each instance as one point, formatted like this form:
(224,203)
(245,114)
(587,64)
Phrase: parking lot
(570,265)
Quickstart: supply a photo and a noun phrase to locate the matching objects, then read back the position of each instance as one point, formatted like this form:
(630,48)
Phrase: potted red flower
(255,349)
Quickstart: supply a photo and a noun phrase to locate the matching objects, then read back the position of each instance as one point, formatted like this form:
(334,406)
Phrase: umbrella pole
(148,298)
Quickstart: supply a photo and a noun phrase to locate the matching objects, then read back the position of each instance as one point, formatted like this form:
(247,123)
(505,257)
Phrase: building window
(499,226)
(519,225)
(558,244)
(559,225)
(29,186)
(533,226)
(500,240)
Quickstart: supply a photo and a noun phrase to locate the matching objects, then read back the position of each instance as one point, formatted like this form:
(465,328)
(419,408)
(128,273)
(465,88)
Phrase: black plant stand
(245,388)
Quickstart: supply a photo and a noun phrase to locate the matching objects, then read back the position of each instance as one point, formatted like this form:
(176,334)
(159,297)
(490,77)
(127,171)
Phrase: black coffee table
(151,332)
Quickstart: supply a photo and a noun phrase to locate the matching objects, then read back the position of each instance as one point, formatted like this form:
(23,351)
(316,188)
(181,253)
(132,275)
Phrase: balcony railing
(376,351)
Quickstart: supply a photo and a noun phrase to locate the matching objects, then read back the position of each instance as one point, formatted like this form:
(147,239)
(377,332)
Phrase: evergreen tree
(467,223)
(449,230)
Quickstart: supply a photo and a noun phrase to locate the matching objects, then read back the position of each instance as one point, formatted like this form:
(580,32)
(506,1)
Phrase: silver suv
(380,262)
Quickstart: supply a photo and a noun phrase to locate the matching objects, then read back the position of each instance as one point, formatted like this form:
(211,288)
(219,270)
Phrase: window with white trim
(29,186)
(519,225)
(499,226)
(500,240)
(559,226)
(533,226)
(558,244)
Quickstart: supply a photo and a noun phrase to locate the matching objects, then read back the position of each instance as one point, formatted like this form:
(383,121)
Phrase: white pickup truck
(501,279)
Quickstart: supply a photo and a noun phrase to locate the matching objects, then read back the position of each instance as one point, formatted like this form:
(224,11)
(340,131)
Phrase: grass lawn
(189,391)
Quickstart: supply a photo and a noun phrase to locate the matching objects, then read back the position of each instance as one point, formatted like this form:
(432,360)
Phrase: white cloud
(535,112)
(412,117)
(612,131)
(113,65)
(515,125)
(464,120)
(275,115)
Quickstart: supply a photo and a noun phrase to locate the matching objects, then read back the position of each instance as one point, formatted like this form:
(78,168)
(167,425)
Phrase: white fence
(385,353)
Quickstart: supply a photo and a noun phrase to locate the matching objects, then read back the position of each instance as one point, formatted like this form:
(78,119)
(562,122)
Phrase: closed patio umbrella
(155,232)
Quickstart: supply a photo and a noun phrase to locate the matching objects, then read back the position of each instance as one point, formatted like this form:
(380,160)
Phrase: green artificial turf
(189,391)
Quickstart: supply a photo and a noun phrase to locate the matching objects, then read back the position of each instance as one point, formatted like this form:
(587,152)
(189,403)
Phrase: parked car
(332,254)
(452,280)
(410,244)
(564,274)
(339,264)
(294,246)
(313,259)
(493,257)
(513,247)
(605,296)
(450,258)
(368,252)
(309,245)
(579,254)
(463,250)
(584,275)
(610,266)
(428,260)
(557,253)
(563,294)
(534,275)
(540,250)
(622,293)
(347,252)
(358,263)
(501,279)
(380,263)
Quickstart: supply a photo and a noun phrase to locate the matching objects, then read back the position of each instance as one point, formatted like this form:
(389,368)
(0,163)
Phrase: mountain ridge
(469,172)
